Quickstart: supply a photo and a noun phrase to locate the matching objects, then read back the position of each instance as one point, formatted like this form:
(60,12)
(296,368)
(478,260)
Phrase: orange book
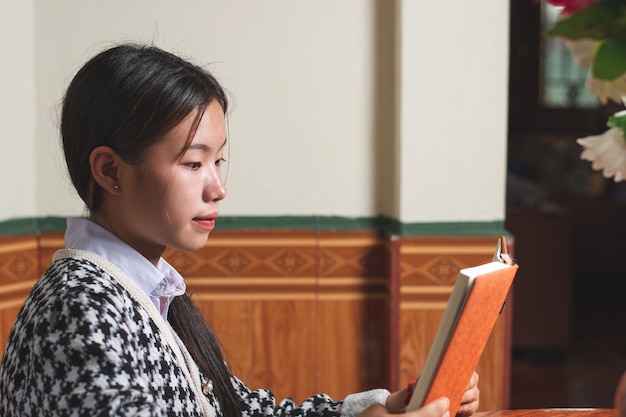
(476,301)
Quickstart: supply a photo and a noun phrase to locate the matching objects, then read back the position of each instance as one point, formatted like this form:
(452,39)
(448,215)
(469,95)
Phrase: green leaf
(618,121)
(600,20)
(609,62)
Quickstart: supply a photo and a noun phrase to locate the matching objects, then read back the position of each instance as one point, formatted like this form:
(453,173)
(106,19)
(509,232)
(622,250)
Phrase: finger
(395,401)
(471,395)
(473,380)
(467,409)
(436,408)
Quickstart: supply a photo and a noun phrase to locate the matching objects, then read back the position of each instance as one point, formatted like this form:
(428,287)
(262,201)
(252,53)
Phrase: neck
(151,254)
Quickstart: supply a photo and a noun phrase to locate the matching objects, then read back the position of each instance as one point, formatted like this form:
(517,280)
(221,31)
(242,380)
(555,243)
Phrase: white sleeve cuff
(354,404)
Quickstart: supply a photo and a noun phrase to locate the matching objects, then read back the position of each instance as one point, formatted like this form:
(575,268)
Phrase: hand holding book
(437,408)
(397,401)
(471,397)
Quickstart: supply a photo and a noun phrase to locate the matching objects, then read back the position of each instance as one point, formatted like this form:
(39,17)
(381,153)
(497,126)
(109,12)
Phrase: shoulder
(76,310)
(73,275)
(77,291)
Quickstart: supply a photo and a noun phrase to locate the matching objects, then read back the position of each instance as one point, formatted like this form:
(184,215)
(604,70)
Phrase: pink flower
(571,6)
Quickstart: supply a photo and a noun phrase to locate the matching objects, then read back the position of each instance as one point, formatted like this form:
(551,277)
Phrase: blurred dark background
(569,228)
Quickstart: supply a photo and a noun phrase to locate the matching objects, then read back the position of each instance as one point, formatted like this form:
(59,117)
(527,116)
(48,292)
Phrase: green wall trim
(316,223)
(494,228)
(380,223)
(29,226)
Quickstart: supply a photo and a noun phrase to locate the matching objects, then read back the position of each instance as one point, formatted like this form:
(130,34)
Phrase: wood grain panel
(283,348)
(232,323)
(354,318)
(417,332)
(353,345)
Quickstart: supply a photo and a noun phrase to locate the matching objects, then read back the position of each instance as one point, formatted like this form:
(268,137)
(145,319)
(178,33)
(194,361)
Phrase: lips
(206,222)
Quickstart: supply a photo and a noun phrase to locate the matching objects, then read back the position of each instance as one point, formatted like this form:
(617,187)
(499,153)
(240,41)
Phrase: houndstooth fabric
(82,346)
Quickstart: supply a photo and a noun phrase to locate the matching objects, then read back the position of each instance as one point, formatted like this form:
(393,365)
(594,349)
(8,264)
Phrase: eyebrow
(204,147)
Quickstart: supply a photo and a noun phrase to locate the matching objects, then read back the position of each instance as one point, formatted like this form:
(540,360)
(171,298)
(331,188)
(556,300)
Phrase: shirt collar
(162,280)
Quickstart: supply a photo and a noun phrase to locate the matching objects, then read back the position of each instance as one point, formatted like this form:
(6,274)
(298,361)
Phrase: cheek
(152,194)
(153,191)
(182,192)
(172,192)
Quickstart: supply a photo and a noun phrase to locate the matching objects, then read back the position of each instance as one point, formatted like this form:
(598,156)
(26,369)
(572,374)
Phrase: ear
(105,168)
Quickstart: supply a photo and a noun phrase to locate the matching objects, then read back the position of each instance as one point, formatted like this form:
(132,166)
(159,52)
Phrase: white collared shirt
(162,283)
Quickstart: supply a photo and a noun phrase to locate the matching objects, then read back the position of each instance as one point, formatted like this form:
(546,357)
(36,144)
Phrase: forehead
(208,133)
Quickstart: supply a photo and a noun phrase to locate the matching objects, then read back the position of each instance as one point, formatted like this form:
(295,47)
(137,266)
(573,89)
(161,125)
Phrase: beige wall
(317,125)
(17,109)
(453,112)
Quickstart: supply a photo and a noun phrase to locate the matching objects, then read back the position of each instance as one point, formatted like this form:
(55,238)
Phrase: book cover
(476,301)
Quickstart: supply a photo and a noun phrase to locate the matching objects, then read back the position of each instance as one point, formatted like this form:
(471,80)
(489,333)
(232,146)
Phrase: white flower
(607,152)
(607,90)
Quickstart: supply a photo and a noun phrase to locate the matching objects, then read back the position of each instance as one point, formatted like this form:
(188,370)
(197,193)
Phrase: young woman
(108,330)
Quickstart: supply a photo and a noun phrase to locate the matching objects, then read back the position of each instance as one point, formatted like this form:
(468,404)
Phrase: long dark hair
(128,97)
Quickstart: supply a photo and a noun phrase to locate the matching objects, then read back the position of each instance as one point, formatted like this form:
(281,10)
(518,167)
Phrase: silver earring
(117,187)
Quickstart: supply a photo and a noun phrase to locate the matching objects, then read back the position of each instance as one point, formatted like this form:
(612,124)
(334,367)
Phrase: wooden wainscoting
(298,312)
(302,312)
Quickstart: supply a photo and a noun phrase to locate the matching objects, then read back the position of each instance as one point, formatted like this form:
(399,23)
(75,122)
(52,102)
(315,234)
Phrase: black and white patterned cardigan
(89,342)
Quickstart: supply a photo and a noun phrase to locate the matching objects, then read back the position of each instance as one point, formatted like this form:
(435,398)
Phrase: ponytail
(188,322)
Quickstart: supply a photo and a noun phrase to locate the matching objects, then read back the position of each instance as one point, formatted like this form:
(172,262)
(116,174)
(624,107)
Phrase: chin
(190,245)
(198,243)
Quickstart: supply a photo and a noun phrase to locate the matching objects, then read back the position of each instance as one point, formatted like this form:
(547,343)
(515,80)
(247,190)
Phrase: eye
(193,165)
(220,161)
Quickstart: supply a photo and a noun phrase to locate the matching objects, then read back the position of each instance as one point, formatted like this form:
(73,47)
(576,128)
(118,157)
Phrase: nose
(214,188)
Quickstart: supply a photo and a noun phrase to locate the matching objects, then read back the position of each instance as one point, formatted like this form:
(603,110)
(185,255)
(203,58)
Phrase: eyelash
(194,165)
(197,165)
